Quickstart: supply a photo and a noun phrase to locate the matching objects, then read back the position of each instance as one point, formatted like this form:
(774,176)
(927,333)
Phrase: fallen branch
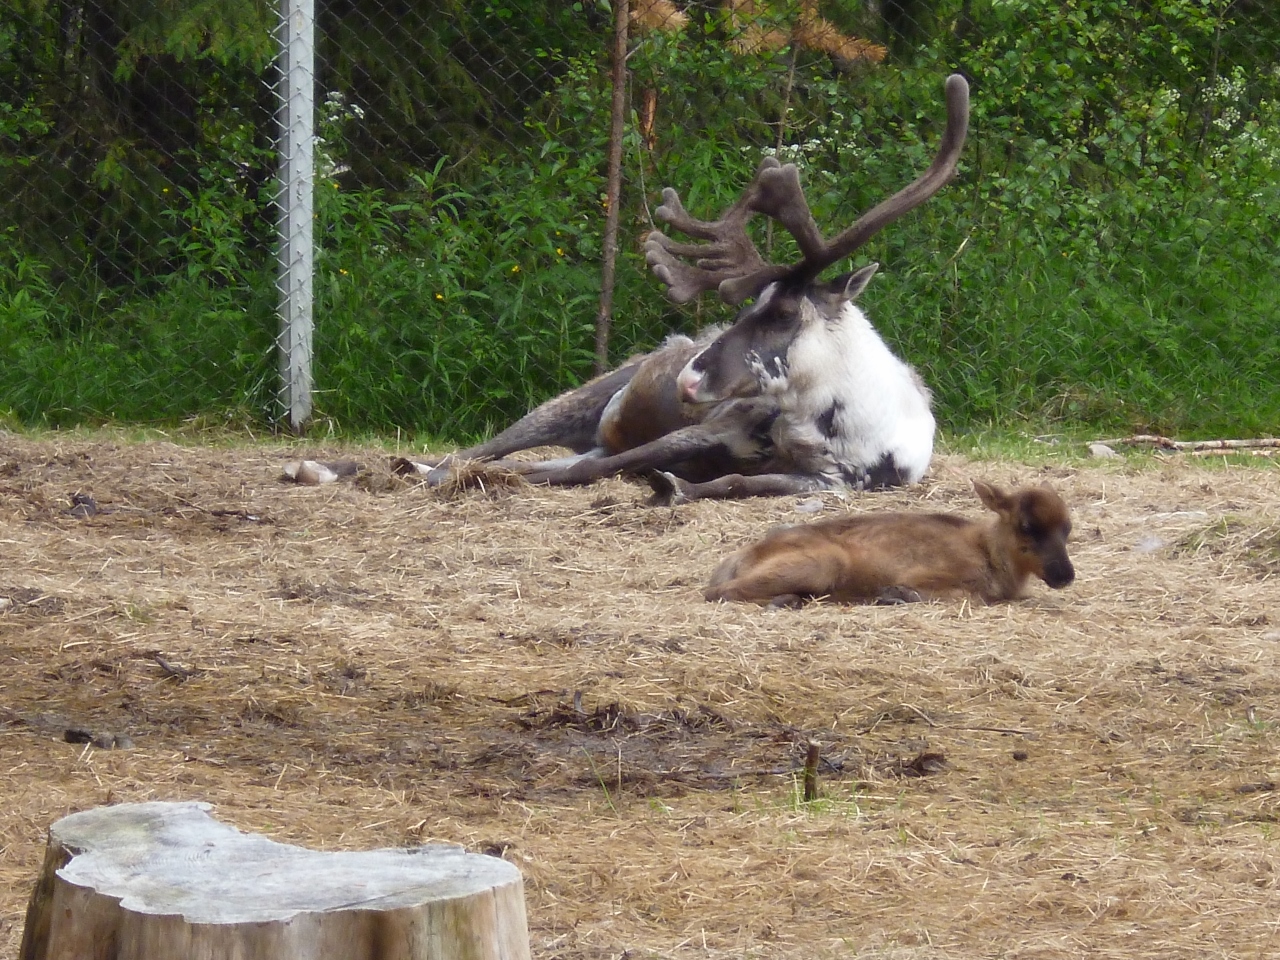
(1247,452)
(172,669)
(1165,443)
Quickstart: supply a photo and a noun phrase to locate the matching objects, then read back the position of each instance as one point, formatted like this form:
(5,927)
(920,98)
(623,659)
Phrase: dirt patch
(532,673)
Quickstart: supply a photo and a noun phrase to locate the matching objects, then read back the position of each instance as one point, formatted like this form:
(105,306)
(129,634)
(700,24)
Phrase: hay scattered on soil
(534,675)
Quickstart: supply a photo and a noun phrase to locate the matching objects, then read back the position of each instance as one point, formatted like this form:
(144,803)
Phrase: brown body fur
(650,407)
(893,557)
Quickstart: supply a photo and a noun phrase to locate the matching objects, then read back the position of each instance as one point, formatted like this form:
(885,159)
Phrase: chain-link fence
(1107,253)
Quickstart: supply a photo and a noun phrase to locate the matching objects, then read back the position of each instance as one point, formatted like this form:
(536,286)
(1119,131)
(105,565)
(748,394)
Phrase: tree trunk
(159,881)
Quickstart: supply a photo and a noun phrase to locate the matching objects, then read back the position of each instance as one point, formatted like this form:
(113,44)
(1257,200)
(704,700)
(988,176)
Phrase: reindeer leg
(440,473)
(785,579)
(737,430)
(568,420)
(669,490)
(696,440)
(526,467)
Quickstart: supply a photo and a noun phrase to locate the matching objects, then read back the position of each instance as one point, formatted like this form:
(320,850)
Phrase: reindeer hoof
(668,489)
(312,472)
(439,476)
(404,467)
(785,601)
(432,474)
(892,596)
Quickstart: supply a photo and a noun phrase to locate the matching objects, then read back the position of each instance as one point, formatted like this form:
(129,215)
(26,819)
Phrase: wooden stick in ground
(164,880)
(613,188)
(811,771)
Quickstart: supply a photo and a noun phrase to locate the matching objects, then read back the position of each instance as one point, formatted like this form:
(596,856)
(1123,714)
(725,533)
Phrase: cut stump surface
(161,880)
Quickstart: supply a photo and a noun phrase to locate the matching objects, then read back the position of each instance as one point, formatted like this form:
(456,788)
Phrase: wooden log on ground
(159,881)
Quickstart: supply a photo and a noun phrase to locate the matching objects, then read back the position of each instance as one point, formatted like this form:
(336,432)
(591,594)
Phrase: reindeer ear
(994,498)
(852,284)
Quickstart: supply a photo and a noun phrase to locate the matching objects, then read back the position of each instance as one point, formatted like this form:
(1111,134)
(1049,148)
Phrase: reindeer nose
(1059,573)
(687,384)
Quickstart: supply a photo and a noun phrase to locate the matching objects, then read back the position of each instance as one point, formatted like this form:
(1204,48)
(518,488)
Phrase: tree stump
(165,881)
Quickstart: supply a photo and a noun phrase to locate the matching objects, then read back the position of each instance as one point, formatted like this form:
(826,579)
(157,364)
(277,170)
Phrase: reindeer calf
(898,557)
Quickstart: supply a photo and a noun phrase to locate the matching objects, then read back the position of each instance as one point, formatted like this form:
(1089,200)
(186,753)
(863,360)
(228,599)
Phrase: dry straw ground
(533,673)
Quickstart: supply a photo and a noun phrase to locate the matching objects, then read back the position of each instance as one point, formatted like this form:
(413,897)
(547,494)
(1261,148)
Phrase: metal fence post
(296,120)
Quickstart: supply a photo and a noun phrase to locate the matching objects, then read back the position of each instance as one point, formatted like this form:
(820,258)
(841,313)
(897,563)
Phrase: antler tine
(782,198)
(910,196)
(728,262)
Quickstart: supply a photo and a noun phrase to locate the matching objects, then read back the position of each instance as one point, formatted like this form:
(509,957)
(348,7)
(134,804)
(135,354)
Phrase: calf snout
(1059,572)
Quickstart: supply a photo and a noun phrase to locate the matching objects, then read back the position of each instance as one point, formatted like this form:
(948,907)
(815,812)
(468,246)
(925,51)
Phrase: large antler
(730,262)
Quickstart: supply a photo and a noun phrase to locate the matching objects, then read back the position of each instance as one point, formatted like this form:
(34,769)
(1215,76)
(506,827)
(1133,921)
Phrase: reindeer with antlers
(798,394)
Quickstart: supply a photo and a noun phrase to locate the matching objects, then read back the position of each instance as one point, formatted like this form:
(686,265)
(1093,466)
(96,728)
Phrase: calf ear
(995,498)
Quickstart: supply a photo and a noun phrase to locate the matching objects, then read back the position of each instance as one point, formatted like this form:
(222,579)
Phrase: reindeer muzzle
(1059,573)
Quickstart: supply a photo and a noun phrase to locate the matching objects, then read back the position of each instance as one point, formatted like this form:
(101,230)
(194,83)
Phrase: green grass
(1011,338)
(188,350)
(1013,335)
